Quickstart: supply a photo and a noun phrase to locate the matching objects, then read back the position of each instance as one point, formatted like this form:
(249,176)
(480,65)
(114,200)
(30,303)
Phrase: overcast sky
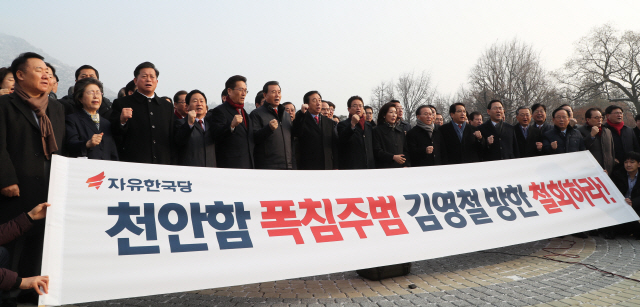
(340,48)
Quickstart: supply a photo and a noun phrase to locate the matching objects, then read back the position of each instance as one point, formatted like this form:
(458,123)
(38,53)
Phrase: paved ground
(491,278)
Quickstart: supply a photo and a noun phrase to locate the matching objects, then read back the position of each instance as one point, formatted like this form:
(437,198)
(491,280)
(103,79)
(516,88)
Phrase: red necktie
(460,126)
(201,124)
(318,119)
(275,109)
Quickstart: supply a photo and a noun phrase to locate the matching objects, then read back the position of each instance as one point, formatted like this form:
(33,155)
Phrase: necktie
(317,120)
(524,132)
(201,124)
(276,109)
(460,126)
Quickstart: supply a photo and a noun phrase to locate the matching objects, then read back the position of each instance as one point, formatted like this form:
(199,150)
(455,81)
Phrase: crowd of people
(140,126)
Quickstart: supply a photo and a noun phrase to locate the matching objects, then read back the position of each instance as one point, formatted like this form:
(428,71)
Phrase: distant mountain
(11,47)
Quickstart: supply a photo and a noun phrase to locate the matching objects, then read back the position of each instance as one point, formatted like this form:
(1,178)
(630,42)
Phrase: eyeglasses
(91,93)
(597,117)
(242,90)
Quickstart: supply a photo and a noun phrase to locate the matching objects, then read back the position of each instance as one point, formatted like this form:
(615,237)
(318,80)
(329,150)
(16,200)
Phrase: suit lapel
(25,110)
(313,121)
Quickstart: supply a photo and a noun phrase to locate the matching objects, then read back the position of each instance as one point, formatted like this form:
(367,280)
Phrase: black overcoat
(233,149)
(455,151)
(195,147)
(273,149)
(80,128)
(387,142)
(147,137)
(418,140)
(317,144)
(355,146)
(505,144)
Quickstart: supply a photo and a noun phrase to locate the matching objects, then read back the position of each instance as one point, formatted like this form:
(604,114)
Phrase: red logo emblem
(96,180)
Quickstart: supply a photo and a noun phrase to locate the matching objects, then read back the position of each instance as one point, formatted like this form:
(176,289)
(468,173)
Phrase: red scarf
(361,122)
(239,108)
(617,126)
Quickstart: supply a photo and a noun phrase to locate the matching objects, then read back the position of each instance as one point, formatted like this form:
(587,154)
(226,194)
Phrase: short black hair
(188,98)
(130,87)
(305,98)
(473,115)
(81,85)
(176,97)
(588,113)
(632,155)
(351,99)
(394,101)
(330,104)
(265,87)
(86,67)
(383,111)
(224,93)
(452,108)
(420,109)
(20,62)
(536,106)
(612,107)
(259,98)
(523,108)
(53,71)
(494,101)
(368,107)
(553,115)
(231,82)
(142,66)
(289,103)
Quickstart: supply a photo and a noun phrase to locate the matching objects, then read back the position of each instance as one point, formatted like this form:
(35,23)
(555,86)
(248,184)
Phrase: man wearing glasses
(597,140)
(501,137)
(232,128)
(624,139)
(562,138)
(399,121)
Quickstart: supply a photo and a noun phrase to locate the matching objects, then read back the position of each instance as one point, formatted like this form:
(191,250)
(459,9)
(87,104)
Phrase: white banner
(118,230)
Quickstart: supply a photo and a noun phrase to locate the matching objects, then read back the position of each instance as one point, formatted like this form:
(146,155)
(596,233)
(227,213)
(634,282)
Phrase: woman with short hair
(88,133)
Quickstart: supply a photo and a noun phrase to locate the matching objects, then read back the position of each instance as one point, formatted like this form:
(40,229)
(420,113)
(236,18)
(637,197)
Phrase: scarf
(239,108)
(424,126)
(39,105)
(617,127)
(361,122)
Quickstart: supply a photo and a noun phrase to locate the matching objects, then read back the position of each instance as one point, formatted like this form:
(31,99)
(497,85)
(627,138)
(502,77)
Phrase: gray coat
(273,148)
(601,147)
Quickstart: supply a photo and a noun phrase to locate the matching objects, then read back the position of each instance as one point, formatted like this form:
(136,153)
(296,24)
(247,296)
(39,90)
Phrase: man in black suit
(272,131)
(86,71)
(317,142)
(529,139)
(540,118)
(32,129)
(462,143)
(143,121)
(232,127)
(400,121)
(500,137)
(355,138)
(195,145)
(425,140)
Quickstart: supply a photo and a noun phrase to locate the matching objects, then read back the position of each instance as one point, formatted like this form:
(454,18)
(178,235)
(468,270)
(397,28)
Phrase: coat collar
(24,109)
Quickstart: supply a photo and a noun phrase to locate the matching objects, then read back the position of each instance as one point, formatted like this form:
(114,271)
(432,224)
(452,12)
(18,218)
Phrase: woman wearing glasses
(88,133)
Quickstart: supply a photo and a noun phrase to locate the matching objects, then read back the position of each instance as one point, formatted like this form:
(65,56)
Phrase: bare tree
(605,65)
(380,95)
(414,91)
(511,72)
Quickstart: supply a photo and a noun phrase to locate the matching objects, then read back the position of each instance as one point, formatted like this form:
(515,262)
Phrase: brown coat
(601,147)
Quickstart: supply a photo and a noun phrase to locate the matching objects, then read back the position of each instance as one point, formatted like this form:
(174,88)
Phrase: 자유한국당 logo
(96,180)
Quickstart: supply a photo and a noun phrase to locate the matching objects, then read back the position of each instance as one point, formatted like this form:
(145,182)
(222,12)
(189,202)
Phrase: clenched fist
(94,140)
(125,115)
(304,108)
(490,139)
(191,117)
(273,124)
(354,120)
(429,150)
(554,145)
(237,120)
(594,131)
(478,134)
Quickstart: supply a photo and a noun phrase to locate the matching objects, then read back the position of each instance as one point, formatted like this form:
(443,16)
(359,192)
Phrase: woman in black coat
(88,133)
(389,140)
